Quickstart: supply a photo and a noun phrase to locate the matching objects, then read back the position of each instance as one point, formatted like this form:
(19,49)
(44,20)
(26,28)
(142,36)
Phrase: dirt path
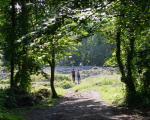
(83,106)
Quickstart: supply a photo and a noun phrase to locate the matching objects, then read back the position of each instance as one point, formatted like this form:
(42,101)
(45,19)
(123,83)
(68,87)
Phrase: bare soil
(84,106)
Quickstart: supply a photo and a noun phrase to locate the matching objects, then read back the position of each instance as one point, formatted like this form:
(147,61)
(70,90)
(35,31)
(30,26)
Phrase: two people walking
(74,74)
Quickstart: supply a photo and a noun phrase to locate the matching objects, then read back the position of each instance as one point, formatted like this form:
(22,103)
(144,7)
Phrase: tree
(131,21)
(92,50)
(53,45)
(8,28)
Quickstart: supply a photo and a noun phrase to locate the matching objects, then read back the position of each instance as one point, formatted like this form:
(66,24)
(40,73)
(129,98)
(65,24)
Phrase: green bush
(37,77)
(64,84)
(41,94)
(61,77)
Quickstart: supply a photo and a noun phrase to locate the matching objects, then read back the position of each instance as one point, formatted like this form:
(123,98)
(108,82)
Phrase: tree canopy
(39,32)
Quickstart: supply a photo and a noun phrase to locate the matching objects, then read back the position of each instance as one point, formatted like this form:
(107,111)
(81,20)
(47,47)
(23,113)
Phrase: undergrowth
(40,96)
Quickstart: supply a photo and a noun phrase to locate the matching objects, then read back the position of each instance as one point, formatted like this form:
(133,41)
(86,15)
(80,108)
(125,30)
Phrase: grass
(62,83)
(10,116)
(110,89)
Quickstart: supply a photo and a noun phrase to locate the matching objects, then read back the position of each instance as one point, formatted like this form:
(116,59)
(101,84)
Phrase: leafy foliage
(91,51)
(37,33)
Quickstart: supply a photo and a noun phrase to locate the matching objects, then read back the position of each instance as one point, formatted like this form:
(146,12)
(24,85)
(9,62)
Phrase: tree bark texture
(54,94)
(118,54)
(130,56)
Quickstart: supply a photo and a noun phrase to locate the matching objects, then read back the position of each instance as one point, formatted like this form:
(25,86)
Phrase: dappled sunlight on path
(82,106)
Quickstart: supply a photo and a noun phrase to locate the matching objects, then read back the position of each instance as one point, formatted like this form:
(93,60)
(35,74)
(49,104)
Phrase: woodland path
(83,106)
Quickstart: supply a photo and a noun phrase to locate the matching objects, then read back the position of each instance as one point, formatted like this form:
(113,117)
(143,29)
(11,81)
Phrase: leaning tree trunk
(54,94)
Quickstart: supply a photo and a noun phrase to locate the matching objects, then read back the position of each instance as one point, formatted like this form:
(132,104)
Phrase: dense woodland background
(39,33)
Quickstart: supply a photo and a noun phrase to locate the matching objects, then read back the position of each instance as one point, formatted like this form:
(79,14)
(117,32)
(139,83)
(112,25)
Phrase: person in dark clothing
(73,75)
(78,77)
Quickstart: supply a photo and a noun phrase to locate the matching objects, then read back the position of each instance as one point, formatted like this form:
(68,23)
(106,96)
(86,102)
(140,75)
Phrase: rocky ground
(84,106)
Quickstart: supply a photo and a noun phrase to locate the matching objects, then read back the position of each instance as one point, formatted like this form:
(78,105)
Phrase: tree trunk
(54,94)
(13,36)
(130,55)
(25,77)
(127,78)
(118,54)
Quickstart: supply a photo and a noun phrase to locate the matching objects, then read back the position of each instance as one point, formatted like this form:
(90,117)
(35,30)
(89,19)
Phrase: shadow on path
(83,107)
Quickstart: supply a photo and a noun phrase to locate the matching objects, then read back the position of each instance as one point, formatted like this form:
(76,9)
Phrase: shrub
(41,94)
(65,84)
(60,77)
(38,77)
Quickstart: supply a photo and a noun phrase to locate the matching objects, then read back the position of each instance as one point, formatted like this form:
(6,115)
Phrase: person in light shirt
(78,77)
